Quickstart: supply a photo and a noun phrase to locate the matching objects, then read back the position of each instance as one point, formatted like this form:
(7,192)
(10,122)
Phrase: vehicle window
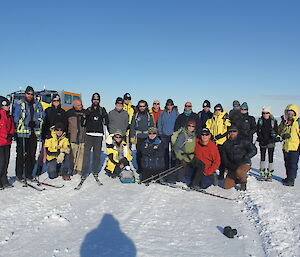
(46,98)
(75,97)
(68,99)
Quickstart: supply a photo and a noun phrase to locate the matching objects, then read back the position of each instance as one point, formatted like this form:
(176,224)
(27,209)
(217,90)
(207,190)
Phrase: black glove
(277,139)
(31,124)
(9,137)
(286,136)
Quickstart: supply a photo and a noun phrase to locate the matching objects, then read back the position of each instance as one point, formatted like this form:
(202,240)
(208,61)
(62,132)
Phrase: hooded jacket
(267,130)
(56,145)
(217,126)
(246,125)
(112,153)
(6,127)
(290,127)
(166,122)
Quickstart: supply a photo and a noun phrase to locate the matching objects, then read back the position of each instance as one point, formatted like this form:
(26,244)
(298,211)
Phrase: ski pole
(158,174)
(166,174)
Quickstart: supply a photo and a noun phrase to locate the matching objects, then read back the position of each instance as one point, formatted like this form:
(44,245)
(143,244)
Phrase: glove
(286,136)
(132,140)
(31,124)
(60,158)
(9,137)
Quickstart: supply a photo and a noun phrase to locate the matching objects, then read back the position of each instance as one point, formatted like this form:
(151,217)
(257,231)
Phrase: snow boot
(289,183)
(285,180)
(221,175)
(216,182)
(263,175)
(67,177)
(243,186)
(8,185)
(269,175)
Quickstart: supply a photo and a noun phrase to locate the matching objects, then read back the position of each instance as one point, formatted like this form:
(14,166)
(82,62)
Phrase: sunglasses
(29,94)
(152,133)
(118,137)
(96,99)
(58,129)
(142,106)
(55,100)
(191,126)
(156,103)
(234,130)
(218,109)
(204,134)
(188,106)
(266,113)
(244,109)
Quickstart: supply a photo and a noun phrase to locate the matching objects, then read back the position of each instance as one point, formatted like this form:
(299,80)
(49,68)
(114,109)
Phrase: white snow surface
(134,220)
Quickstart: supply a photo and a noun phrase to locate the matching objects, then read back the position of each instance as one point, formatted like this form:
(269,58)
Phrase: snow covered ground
(134,220)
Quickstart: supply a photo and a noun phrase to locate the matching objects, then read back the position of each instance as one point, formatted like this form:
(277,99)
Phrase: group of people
(201,148)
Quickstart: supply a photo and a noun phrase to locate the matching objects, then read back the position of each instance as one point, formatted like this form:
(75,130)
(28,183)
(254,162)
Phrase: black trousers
(263,151)
(199,166)
(4,161)
(96,144)
(27,158)
(139,146)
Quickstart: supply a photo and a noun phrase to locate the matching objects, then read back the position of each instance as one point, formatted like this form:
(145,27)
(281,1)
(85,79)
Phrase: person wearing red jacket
(7,130)
(207,153)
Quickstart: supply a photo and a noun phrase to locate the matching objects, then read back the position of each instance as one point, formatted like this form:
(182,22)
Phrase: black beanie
(218,106)
(55,97)
(96,96)
(127,96)
(29,89)
(169,102)
(4,101)
(206,103)
(59,125)
(119,100)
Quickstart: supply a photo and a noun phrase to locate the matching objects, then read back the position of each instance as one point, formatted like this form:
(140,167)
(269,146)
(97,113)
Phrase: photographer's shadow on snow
(107,240)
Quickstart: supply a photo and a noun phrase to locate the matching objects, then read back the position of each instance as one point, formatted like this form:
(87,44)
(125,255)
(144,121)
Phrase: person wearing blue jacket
(166,125)
(28,118)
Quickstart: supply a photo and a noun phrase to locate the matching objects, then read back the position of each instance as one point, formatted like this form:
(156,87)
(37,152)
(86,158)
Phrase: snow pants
(4,161)
(54,169)
(96,144)
(139,146)
(76,160)
(237,176)
(166,141)
(291,159)
(263,150)
(29,160)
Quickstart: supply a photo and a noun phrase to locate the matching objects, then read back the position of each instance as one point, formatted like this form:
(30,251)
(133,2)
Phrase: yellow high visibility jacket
(291,128)
(111,148)
(55,145)
(218,126)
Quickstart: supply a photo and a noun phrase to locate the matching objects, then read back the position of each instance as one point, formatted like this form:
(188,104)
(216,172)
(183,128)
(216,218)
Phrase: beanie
(244,105)
(96,96)
(29,89)
(55,97)
(152,130)
(127,96)
(119,100)
(266,109)
(4,101)
(191,122)
(169,102)
(235,103)
(206,103)
(59,125)
(218,106)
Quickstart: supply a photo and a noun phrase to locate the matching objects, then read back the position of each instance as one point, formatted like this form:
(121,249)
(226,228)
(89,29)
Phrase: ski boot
(269,175)
(263,175)
(243,186)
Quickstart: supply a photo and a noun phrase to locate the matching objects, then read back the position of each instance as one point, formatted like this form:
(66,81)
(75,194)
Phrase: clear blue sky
(187,50)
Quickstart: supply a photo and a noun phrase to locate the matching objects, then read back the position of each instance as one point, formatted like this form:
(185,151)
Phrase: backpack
(175,136)
(127,175)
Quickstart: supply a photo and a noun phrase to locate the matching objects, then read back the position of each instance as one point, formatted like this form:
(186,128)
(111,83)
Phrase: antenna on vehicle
(44,87)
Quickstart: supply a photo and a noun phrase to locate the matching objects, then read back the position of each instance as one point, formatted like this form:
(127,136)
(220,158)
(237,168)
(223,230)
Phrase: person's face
(290,114)
(188,106)
(205,137)
(156,105)
(142,107)
(29,96)
(266,115)
(170,107)
(96,101)
(244,110)
(152,135)
(233,133)
(191,127)
(78,105)
(118,138)
(127,101)
(218,111)
(119,106)
(236,107)
(206,109)
(6,108)
(55,103)
(59,132)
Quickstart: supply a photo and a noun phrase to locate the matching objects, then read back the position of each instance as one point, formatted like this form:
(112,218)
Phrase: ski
(197,190)
(98,181)
(49,185)
(26,184)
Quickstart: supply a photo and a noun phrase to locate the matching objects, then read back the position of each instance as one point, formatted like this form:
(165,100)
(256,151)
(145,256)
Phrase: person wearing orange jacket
(155,111)
(207,160)
(7,130)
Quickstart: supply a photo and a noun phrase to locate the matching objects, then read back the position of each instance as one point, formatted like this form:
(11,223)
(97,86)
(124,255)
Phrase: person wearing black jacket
(246,124)
(96,117)
(267,136)
(205,114)
(236,155)
(187,115)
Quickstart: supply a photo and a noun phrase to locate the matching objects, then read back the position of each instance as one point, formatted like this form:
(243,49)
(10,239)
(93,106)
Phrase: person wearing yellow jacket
(218,126)
(57,150)
(118,154)
(128,107)
(290,133)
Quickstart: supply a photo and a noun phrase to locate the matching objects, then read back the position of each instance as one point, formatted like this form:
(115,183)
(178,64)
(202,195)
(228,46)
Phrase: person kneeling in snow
(236,155)
(57,150)
(118,154)
(207,160)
